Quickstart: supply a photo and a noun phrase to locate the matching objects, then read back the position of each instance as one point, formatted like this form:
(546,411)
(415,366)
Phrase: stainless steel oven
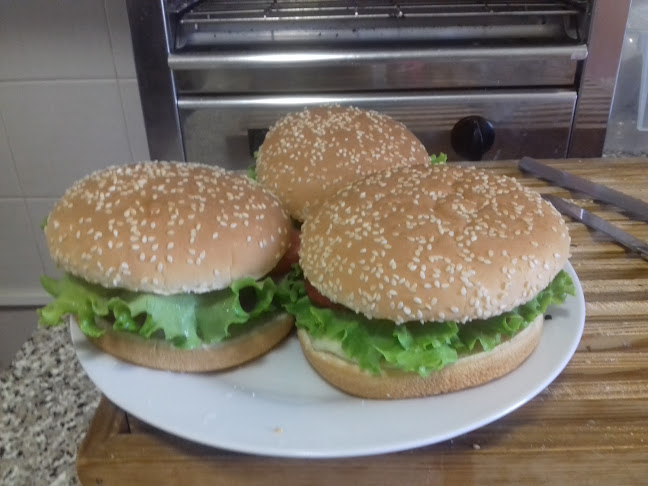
(476,79)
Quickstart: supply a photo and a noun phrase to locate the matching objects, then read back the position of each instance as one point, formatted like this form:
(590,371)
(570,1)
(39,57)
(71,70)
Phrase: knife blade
(599,192)
(598,223)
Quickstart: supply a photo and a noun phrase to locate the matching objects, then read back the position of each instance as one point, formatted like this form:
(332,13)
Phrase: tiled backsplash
(20,262)
(16,325)
(69,104)
(61,130)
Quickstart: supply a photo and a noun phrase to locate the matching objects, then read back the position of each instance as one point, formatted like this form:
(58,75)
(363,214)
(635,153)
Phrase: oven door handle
(229,59)
(386,100)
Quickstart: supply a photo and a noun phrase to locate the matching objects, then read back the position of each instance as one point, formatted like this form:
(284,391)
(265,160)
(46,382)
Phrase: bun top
(167,228)
(433,243)
(310,155)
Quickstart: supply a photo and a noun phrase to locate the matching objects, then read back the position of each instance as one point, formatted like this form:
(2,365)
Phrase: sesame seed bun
(167,228)
(159,354)
(433,243)
(310,155)
(468,371)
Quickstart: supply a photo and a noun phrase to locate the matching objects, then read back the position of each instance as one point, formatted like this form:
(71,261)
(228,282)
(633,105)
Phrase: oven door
(226,130)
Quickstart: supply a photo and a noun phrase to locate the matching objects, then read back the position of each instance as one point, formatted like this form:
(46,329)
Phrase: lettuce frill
(415,347)
(186,320)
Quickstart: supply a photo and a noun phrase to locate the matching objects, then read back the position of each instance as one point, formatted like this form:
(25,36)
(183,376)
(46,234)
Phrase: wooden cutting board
(590,426)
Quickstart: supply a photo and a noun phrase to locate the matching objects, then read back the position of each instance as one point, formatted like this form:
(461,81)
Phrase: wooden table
(590,426)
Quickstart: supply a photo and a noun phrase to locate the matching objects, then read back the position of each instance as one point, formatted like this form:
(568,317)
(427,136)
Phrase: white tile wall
(60,131)
(20,262)
(38,209)
(69,104)
(16,325)
(120,38)
(9,186)
(63,39)
(134,118)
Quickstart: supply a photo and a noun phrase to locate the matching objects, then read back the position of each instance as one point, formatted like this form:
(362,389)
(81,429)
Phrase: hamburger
(309,155)
(426,280)
(166,265)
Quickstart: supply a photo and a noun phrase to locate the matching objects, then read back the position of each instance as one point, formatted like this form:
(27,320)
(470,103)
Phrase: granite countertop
(46,404)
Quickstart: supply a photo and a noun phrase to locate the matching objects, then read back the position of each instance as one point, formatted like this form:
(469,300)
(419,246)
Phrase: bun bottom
(161,355)
(469,371)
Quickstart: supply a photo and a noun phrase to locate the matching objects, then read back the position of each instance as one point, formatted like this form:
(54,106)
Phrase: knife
(593,221)
(599,192)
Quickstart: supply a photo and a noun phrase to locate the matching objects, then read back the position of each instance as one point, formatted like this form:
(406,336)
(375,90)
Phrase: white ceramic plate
(278,406)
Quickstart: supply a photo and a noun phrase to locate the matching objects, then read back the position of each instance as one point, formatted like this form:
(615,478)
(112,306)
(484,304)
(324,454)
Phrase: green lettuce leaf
(185,320)
(291,288)
(251,171)
(438,159)
(416,347)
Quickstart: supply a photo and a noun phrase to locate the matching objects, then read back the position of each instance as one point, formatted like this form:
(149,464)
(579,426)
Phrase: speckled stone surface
(46,404)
